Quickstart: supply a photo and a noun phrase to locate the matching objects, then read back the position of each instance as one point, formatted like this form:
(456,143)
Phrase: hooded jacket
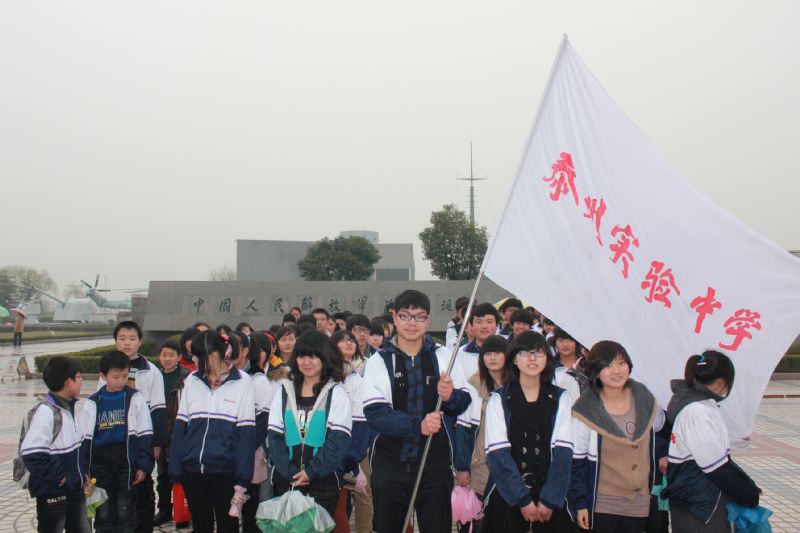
(700,467)
(593,424)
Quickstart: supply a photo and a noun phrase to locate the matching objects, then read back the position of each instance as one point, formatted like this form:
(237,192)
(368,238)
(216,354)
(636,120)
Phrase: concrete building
(258,260)
(173,306)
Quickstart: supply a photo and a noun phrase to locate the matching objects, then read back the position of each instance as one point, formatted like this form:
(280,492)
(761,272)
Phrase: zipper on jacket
(203,445)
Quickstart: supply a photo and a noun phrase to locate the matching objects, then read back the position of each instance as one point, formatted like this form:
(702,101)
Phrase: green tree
(223,273)
(26,278)
(454,247)
(9,290)
(341,259)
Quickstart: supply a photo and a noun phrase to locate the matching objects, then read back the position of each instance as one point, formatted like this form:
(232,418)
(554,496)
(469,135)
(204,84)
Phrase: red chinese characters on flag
(659,282)
(625,239)
(704,305)
(738,326)
(595,211)
(562,180)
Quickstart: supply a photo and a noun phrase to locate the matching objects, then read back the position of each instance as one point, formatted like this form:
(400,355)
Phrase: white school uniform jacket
(215,429)
(339,416)
(49,461)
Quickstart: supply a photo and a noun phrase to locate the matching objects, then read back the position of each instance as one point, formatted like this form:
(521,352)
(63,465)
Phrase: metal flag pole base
(439,400)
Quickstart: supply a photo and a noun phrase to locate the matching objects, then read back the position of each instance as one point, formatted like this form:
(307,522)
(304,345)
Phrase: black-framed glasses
(527,354)
(405,317)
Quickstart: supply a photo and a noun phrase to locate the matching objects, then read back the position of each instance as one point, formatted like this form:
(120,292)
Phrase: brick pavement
(773,459)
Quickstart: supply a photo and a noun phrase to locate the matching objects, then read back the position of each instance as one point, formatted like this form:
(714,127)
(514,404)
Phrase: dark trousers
(209,497)
(110,468)
(249,509)
(164,485)
(658,521)
(392,484)
(63,513)
(611,523)
(685,522)
(503,518)
(324,490)
(145,505)
(17,339)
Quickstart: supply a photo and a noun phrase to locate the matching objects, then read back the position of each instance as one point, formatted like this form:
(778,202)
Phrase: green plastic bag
(293,512)
(663,504)
(98,498)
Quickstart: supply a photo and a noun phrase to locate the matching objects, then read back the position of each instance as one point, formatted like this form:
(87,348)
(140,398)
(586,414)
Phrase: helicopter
(93,307)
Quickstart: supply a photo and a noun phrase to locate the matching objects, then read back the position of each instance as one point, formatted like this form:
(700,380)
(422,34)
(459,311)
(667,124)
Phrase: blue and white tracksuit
(215,429)
(50,462)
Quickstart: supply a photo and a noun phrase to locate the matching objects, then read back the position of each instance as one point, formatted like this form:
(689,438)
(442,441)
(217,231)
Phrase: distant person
(173,375)
(453,327)
(359,326)
(506,310)
(185,349)
(321,317)
(296,312)
(57,477)
(288,320)
(201,326)
(19,329)
(244,327)
(117,444)
(376,334)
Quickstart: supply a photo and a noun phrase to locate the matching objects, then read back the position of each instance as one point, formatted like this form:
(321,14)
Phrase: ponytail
(708,367)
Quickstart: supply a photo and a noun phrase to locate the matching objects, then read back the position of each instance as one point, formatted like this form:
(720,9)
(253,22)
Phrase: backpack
(20,473)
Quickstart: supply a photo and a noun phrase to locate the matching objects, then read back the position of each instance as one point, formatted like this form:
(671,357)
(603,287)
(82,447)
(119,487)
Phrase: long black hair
(187,335)
(318,345)
(495,343)
(708,367)
(259,341)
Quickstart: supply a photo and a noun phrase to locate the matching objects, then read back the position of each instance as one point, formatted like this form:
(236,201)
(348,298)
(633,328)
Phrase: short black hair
(58,370)
(288,317)
(376,327)
(708,367)
(241,325)
(307,319)
(295,307)
(285,330)
(305,327)
(341,316)
(170,345)
(127,324)
(321,310)
(223,329)
(358,320)
(484,309)
(532,341)
(114,360)
(521,315)
(510,302)
(411,299)
(259,342)
(198,325)
(602,354)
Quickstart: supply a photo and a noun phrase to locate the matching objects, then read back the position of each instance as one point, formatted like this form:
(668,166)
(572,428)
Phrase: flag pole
(562,47)
(410,511)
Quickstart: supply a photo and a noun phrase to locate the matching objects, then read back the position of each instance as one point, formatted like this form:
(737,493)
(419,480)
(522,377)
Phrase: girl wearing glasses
(286,337)
(355,465)
(310,423)
(528,444)
(615,460)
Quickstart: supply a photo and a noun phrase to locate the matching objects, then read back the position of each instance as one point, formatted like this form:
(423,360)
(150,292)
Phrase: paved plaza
(773,460)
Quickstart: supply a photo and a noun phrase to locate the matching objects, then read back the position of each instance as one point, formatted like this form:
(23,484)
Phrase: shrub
(790,364)
(90,359)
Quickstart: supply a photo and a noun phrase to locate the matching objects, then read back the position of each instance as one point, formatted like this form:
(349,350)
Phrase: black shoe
(162,517)
(181,525)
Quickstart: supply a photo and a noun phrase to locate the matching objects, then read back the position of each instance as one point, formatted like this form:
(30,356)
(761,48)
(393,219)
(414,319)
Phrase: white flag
(602,235)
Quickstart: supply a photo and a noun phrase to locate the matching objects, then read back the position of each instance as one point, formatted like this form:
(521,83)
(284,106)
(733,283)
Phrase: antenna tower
(471,179)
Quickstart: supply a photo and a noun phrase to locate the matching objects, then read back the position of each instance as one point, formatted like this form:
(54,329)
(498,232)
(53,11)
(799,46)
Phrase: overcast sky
(141,139)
